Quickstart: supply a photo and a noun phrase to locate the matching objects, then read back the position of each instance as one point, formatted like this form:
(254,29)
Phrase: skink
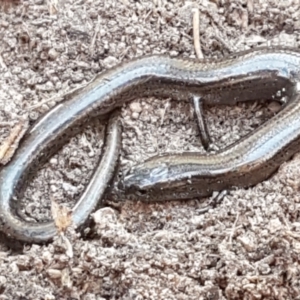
(251,75)
(247,162)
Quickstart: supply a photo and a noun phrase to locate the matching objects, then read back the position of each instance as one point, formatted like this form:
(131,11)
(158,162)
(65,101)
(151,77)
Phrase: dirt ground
(247,247)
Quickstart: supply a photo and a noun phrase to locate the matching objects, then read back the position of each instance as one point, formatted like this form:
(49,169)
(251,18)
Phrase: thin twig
(233,229)
(196,33)
(60,97)
(94,37)
(54,98)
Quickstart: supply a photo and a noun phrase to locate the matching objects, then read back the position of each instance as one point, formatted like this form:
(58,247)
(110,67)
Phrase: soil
(247,247)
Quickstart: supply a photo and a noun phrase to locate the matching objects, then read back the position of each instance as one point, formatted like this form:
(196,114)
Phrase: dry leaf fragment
(10,145)
(62,216)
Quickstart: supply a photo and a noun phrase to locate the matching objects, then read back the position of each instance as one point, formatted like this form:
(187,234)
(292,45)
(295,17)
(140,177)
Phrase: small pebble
(52,54)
